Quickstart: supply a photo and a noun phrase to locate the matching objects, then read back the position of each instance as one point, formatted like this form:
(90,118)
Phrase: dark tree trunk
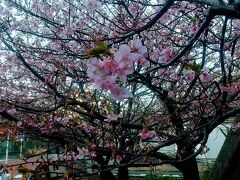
(123,173)
(107,175)
(190,170)
(104,174)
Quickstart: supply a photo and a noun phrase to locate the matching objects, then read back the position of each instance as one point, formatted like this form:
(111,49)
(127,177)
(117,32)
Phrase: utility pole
(7,146)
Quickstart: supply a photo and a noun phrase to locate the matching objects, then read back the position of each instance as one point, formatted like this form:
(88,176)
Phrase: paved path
(13,163)
(16,177)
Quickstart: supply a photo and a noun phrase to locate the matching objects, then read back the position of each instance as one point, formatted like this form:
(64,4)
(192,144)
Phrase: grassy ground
(154,178)
(146,178)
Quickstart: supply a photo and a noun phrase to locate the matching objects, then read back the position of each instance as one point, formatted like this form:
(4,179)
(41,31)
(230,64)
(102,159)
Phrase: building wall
(215,142)
(228,161)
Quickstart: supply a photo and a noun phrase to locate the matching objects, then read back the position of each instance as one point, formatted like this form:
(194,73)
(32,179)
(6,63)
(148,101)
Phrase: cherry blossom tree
(115,81)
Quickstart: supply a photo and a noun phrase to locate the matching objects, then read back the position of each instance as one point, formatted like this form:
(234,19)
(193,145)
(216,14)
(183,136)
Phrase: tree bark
(107,175)
(190,170)
(123,173)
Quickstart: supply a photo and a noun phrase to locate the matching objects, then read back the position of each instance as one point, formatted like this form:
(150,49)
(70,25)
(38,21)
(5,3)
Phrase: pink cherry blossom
(11,111)
(235,126)
(108,145)
(94,67)
(105,83)
(165,55)
(189,75)
(89,129)
(174,76)
(123,71)
(82,151)
(139,51)
(118,157)
(205,76)
(19,123)
(194,29)
(119,93)
(233,88)
(67,31)
(113,117)
(142,60)
(110,66)
(123,55)
(184,27)
(137,47)
(105,73)
(155,54)
(50,78)
(184,4)
(93,154)
(134,9)
(146,134)
(171,94)
(92,4)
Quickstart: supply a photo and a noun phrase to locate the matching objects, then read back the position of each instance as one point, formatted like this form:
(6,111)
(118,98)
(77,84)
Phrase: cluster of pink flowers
(50,78)
(11,111)
(134,9)
(68,30)
(146,134)
(234,88)
(86,128)
(165,55)
(205,76)
(189,75)
(107,72)
(113,117)
(119,157)
(92,4)
(82,152)
(235,126)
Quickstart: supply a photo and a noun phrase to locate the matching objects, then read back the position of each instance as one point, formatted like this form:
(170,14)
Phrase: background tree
(106,79)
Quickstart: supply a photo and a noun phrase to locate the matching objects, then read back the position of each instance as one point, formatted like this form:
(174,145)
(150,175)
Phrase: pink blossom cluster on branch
(146,134)
(232,88)
(111,73)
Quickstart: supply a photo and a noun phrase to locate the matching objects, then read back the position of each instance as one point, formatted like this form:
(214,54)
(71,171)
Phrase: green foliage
(101,48)
(193,66)
(206,172)
(148,177)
